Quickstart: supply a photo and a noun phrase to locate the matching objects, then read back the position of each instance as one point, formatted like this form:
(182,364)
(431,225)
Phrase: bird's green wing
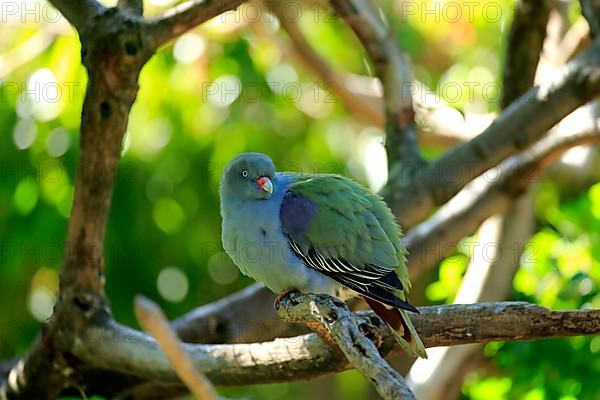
(347,232)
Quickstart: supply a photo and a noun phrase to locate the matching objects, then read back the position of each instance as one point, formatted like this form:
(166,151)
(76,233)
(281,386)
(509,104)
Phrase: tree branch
(133,7)
(525,42)
(113,52)
(491,193)
(167,26)
(79,13)
(339,323)
(520,125)
(228,321)
(114,347)
(393,69)
(305,53)
(361,95)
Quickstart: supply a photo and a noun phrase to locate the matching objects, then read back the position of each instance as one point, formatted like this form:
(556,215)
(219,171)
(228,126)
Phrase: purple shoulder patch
(296,213)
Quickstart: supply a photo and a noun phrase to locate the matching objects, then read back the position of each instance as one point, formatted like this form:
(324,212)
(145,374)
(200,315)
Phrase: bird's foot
(282,295)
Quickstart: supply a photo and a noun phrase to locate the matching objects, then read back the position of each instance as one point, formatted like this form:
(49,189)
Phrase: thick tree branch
(111,346)
(491,193)
(133,7)
(332,315)
(394,72)
(228,321)
(520,125)
(79,13)
(113,52)
(167,26)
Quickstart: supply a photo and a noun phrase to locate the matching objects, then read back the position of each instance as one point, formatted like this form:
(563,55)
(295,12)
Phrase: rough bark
(111,346)
(332,316)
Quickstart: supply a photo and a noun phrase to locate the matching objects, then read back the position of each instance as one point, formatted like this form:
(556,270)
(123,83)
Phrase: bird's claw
(282,295)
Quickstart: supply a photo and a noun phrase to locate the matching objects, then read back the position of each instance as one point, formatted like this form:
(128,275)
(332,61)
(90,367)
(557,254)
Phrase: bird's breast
(253,239)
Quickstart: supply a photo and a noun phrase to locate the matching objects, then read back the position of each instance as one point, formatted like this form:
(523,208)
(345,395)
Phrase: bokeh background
(229,86)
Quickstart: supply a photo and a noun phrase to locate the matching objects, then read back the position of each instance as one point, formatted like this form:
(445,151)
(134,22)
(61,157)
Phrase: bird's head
(249,176)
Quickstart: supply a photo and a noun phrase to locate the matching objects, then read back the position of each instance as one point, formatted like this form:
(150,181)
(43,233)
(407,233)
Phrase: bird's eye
(244,174)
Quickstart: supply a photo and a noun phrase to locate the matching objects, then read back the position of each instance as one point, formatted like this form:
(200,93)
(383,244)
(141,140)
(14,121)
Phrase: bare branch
(333,315)
(117,348)
(79,13)
(361,95)
(305,53)
(133,7)
(181,18)
(430,241)
(228,320)
(153,320)
(393,69)
(520,125)
(525,43)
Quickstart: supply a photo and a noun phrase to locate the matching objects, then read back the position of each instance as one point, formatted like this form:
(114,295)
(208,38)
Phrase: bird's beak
(265,184)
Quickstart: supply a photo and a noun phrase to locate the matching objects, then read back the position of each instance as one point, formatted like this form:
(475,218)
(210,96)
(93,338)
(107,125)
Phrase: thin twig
(361,95)
(20,55)
(304,52)
(152,320)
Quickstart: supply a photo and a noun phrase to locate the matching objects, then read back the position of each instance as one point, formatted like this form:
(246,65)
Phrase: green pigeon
(317,234)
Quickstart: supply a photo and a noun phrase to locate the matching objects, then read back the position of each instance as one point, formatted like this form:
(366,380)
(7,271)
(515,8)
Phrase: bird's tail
(401,326)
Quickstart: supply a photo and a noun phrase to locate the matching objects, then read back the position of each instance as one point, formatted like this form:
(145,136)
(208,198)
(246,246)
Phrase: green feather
(351,222)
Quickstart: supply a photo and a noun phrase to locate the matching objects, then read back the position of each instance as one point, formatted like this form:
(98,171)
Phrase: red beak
(264,183)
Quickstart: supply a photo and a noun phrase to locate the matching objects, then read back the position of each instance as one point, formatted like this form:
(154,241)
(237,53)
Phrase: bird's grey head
(248,177)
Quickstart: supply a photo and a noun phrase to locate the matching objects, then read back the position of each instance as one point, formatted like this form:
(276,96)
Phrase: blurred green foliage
(228,87)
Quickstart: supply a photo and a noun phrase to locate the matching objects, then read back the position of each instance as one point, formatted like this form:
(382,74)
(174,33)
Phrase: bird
(317,233)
